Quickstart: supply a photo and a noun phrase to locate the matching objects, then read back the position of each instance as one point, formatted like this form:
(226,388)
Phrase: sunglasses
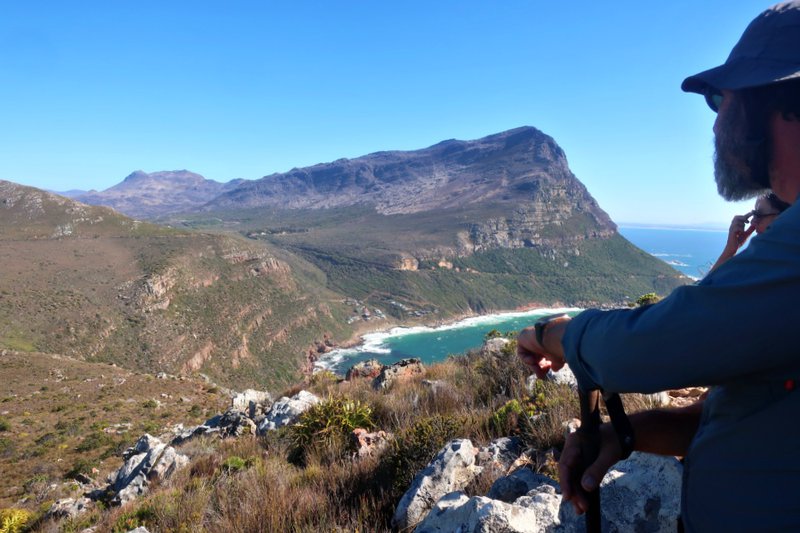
(714,99)
(757,215)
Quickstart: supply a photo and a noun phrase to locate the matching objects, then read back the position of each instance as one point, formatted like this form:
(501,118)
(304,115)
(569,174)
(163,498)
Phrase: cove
(431,344)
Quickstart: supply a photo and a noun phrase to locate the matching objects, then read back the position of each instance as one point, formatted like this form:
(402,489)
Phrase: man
(736,330)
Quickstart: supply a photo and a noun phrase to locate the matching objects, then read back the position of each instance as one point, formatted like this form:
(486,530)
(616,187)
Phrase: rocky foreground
(465,486)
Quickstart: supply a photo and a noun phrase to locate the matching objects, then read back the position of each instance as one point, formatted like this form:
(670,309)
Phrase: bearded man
(734,331)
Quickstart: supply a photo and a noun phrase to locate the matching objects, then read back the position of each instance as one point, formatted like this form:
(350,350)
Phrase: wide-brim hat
(768,52)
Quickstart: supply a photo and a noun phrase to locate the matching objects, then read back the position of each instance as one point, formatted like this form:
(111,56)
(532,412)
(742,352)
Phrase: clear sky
(91,91)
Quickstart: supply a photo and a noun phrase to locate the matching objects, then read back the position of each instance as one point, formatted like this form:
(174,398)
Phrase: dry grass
(63,415)
(253,485)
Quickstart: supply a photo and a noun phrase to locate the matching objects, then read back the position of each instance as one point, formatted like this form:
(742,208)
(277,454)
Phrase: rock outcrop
(287,410)
(400,371)
(452,469)
(641,493)
(253,402)
(147,461)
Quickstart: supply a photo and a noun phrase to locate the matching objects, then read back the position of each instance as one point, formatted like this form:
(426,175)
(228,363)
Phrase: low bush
(14,520)
(329,425)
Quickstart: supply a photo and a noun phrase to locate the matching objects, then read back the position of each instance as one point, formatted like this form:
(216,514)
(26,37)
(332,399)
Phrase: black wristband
(541,325)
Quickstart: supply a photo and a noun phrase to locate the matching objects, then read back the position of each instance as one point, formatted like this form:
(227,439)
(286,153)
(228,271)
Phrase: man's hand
(737,235)
(576,480)
(543,358)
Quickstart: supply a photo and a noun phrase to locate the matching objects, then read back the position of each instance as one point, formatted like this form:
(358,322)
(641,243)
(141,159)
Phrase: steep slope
(144,195)
(522,166)
(446,229)
(92,284)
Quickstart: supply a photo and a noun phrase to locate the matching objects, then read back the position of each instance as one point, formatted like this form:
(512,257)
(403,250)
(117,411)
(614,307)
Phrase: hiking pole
(589,437)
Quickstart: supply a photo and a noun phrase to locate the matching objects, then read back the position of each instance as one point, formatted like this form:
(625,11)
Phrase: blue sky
(91,91)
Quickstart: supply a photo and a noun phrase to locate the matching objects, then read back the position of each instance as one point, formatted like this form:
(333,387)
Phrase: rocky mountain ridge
(520,166)
(144,195)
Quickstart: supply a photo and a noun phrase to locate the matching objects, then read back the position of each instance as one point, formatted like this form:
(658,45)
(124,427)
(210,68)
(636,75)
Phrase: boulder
(252,402)
(399,371)
(500,453)
(68,508)
(368,444)
(181,434)
(365,369)
(457,512)
(452,469)
(147,461)
(641,493)
(494,346)
(517,484)
(563,376)
(287,410)
(233,423)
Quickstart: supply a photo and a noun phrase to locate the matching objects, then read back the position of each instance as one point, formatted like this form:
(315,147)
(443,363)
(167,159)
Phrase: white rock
(252,402)
(457,512)
(452,469)
(287,410)
(149,460)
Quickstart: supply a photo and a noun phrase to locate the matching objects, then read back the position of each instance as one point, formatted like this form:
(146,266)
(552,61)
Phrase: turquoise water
(430,344)
(689,251)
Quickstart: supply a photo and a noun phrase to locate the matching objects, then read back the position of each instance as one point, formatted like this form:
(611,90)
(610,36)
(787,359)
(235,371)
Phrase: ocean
(690,251)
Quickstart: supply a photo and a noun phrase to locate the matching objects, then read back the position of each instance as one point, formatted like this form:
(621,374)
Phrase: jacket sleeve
(738,322)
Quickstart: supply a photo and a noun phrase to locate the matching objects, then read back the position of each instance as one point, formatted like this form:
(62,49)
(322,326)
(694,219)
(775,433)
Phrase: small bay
(431,344)
(692,251)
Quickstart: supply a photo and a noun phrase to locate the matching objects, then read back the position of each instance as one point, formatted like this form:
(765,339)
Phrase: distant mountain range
(144,195)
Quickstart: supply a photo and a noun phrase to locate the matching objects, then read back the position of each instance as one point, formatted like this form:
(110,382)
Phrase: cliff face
(516,184)
(517,165)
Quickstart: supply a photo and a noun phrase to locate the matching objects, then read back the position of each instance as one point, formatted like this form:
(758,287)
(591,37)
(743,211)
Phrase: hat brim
(739,74)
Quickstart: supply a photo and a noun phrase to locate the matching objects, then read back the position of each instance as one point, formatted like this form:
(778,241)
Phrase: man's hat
(768,52)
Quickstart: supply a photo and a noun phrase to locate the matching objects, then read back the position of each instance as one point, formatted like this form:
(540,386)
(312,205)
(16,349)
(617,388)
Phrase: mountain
(458,227)
(143,195)
(517,166)
(253,284)
(92,284)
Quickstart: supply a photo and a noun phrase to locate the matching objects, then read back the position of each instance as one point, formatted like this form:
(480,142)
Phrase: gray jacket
(737,330)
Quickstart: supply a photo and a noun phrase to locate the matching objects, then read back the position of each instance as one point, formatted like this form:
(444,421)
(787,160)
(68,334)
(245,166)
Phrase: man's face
(738,163)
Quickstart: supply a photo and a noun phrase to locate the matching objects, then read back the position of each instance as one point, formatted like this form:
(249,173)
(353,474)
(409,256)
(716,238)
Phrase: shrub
(647,299)
(133,519)
(80,466)
(149,404)
(14,520)
(493,334)
(4,425)
(415,446)
(94,440)
(505,419)
(235,463)
(329,424)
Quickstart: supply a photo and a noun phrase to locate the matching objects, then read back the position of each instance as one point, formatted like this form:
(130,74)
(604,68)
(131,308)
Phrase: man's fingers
(569,471)
(596,472)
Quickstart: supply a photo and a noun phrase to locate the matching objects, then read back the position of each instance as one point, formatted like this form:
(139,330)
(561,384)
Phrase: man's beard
(740,164)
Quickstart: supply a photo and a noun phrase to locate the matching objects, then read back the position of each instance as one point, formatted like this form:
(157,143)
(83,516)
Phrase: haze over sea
(691,251)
